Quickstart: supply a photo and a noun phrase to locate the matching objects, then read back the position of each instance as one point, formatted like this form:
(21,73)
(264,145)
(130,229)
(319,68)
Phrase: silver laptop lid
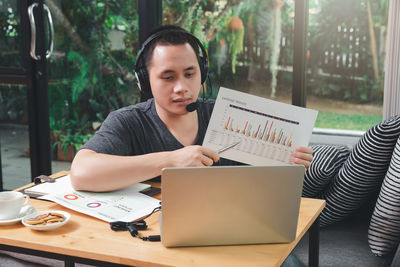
(230,205)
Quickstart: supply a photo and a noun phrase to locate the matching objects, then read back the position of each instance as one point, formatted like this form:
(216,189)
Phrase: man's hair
(168,35)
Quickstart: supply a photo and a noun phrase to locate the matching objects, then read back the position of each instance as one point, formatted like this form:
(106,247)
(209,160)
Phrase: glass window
(90,74)
(249,42)
(91,69)
(10,52)
(14,138)
(346,52)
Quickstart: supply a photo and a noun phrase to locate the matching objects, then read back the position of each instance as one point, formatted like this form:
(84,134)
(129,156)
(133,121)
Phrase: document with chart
(126,205)
(267,131)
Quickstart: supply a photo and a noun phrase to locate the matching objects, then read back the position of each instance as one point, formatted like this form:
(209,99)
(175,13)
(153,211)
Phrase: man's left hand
(302,156)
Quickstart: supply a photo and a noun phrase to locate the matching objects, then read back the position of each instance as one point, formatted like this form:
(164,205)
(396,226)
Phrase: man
(135,143)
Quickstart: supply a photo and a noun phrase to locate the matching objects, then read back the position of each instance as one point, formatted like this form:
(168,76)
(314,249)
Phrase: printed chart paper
(268,131)
(122,205)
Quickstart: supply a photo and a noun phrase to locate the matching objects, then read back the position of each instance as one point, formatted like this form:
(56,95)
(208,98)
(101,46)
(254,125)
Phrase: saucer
(25,211)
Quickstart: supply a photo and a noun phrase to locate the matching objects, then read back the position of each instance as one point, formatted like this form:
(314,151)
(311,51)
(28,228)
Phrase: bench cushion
(325,165)
(362,173)
(384,228)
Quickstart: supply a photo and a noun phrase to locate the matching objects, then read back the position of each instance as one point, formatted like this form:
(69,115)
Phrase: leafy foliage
(70,138)
(88,77)
(9,28)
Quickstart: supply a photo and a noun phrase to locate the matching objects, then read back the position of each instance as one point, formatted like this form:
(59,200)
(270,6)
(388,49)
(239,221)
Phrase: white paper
(269,131)
(122,205)
(63,183)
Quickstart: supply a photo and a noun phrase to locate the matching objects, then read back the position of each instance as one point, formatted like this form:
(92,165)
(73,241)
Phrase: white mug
(11,203)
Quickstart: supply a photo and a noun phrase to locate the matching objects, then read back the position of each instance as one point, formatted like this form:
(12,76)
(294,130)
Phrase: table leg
(68,260)
(1,173)
(313,248)
(69,263)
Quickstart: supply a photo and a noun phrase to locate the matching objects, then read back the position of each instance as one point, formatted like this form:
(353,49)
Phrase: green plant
(74,130)
(88,78)
(232,35)
(74,139)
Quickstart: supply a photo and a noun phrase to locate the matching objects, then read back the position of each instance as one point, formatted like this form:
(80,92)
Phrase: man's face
(175,78)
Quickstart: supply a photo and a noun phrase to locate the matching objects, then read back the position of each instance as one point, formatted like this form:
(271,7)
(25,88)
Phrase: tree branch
(66,24)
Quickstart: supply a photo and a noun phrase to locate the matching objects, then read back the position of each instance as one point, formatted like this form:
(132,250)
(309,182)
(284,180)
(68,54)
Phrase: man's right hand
(194,156)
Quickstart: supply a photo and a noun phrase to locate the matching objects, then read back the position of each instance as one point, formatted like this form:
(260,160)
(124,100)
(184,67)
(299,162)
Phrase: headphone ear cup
(144,82)
(147,91)
(139,77)
(203,68)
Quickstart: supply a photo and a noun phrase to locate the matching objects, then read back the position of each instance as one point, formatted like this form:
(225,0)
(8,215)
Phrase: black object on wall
(299,53)
(150,17)
(1,174)
(38,105)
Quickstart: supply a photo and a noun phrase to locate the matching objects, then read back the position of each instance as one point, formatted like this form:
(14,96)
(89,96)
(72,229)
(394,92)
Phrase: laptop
(230,205)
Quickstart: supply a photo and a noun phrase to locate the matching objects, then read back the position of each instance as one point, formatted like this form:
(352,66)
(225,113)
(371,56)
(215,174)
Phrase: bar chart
(268,131)
(268,128)
(261,134)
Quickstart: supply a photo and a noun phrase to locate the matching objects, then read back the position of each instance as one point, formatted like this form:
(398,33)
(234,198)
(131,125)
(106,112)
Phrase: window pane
(345,62)
(14,136)
(249,42)
(91,69)
(10,54)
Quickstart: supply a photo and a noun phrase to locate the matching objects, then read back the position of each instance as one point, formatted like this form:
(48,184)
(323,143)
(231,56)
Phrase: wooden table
(85,239)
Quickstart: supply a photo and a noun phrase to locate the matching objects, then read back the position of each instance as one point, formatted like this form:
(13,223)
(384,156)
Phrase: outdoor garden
(250,48)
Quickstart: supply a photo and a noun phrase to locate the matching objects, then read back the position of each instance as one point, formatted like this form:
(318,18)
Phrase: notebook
(230,205)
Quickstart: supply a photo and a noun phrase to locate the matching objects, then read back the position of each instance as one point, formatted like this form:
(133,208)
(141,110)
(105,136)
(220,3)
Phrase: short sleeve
(113,137)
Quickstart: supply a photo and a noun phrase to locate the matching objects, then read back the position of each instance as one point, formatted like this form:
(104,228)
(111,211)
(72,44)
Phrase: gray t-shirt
(138,130)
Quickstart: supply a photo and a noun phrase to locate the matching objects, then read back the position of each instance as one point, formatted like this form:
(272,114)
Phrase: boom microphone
(192,106)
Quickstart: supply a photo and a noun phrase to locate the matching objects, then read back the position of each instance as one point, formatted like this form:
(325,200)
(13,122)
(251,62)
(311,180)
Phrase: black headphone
(142,76)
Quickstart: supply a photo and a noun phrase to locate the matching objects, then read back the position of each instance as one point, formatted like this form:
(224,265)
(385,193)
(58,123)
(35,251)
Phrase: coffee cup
(11,203)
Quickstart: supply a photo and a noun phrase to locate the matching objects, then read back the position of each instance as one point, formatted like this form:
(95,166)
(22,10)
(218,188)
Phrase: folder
(44,185)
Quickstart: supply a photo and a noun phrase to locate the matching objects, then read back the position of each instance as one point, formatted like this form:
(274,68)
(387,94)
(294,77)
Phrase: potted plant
(69,143)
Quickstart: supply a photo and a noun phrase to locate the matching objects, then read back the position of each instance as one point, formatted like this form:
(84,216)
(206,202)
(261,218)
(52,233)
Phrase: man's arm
(94,171)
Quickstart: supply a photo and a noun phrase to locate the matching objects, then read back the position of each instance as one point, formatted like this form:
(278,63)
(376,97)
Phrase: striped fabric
(361,175)
(384,228)
(325,165)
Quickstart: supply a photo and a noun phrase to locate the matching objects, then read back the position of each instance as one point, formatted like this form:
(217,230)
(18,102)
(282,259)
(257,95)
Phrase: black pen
(228,146)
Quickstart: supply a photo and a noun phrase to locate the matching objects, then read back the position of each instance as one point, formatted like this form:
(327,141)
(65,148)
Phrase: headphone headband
(141,72)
